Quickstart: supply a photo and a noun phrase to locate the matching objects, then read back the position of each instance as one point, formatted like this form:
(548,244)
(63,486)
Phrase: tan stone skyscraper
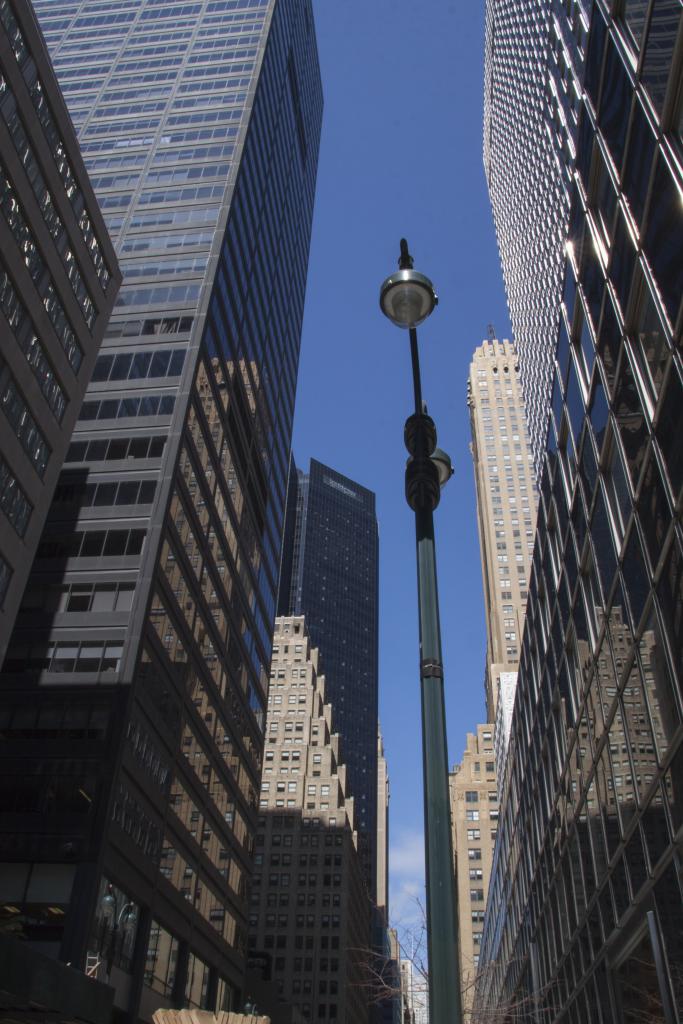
(309,908)
(506,515)
(506,503)
(474,821)
(382,832)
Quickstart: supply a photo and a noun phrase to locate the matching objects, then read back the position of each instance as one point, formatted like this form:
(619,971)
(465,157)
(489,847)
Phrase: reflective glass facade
(58,282)
(157,571)
(585,918)
(334,583)
(533,66)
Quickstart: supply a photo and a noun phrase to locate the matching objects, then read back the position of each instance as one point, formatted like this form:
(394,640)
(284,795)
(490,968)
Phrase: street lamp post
(120,919)
(408,298)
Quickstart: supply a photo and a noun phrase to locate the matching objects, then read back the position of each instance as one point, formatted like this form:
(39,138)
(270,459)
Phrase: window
(139,365)
(472,815)
(25,427)
(473,833)
(13,501)
(471,796)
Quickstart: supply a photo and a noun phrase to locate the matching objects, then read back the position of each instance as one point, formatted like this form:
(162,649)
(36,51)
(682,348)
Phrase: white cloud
(407,855)
(407,882)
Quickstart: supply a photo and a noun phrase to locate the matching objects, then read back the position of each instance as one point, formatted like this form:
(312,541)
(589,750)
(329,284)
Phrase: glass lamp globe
(109,904)
(407,298)
(444,466)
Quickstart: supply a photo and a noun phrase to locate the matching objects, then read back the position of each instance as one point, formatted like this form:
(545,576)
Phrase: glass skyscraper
(334,565)
(135,684)
(533,64)
(585,919)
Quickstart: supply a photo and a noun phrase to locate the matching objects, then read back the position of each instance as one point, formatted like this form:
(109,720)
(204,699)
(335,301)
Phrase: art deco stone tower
(309,911)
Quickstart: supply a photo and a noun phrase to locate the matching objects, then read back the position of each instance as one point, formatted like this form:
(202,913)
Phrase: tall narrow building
(506,503)
(473,793)
(310,911)
(58,282)
(382,833)
(334,583)
(585,915)
(135,687)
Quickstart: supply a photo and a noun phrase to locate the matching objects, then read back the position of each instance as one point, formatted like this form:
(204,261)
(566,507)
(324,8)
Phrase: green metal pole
(422,494)
(442,932)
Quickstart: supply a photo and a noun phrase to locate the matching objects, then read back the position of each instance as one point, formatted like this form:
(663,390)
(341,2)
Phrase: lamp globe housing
(407,298)
(444,466)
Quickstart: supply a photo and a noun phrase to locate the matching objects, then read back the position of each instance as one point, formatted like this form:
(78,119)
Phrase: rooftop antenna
(492,333)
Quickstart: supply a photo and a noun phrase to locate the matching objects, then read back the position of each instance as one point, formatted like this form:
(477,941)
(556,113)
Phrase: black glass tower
(334,569)
(585,915)
(135,683)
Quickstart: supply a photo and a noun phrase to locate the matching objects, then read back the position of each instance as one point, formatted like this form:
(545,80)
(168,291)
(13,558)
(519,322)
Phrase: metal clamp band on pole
(430,669)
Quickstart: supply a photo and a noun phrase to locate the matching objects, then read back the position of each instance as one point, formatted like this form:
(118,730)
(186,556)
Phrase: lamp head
(443,464)
(407,298)
(109,902)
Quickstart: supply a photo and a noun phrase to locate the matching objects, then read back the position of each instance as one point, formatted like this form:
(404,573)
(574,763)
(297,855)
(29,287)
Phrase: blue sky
(401,155)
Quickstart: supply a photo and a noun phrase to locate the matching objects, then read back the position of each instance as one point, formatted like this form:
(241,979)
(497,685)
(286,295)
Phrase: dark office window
(631,420)
(623,263)
(662,241)
(609,341)
(596,46)
(641,149)
(668,430)
(659,49)
(635,16)
(637,986)
(615,102)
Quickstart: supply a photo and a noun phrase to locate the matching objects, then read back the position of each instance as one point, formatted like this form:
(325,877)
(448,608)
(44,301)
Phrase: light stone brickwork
(506,503)
(382,832)
(310,912)
(474,821)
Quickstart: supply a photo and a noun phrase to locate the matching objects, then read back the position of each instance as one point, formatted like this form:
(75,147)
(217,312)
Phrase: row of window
(80,597)
(5,577)
(28,341)
(74,193)
(139,365)
(13,502)
(46,119)
(161,295)
(92,544)
(53,306)
(124,492)
(91,656)
(128,408)
(116,449)
(174,240)
(25,427)
(182,265)
(149,325)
